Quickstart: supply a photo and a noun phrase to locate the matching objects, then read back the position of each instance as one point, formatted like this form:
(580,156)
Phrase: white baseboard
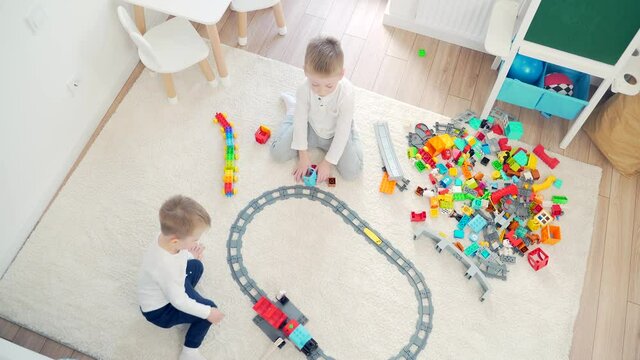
(11,351)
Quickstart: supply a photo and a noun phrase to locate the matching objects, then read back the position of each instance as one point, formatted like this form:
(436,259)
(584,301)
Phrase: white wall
(43,128)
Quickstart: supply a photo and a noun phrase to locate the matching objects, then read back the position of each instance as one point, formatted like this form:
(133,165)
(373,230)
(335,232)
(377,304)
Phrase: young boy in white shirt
(170,270)
(321,116)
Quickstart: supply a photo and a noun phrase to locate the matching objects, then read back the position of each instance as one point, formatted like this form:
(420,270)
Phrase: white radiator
(461,22)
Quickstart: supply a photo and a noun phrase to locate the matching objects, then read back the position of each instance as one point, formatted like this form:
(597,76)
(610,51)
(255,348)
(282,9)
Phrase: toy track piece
(385,145)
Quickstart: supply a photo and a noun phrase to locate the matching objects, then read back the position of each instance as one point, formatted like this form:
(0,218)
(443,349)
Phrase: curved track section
(248,286)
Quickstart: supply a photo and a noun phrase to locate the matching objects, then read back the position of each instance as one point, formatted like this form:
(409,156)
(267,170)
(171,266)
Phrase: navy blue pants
(168,316)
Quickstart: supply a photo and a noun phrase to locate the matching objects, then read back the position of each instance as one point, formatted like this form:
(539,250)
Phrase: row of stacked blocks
(230,154)
(507,210)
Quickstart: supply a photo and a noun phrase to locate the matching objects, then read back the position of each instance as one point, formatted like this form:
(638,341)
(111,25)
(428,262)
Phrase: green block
(490,119)
(412,152)
(420,166)
(474,122)
(459,197)
(422,52)
(558,199)
(471,250)
(497,164)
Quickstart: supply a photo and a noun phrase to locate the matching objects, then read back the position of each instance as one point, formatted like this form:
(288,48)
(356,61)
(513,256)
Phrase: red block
(418,217)
(508,190)
(446,154)
(480,136)
(503,144)
(263,134)
(542,155)
(269,312)
(538,259)
(497,130)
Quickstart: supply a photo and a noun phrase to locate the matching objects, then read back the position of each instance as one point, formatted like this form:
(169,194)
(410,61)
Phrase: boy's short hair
(181,215)
(324,56)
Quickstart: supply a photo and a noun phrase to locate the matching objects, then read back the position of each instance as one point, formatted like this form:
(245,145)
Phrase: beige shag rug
(74,280)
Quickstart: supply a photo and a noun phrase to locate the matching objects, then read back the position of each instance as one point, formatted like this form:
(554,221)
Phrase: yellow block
(495,175)
(533,161)
(453,171)
(372,236)
(447,140)
(545,185)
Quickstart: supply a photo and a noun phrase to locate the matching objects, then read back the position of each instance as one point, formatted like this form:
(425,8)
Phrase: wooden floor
(449,80)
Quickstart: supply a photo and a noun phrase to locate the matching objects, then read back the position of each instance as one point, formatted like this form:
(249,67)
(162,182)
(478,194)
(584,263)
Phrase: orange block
(387,186)
(551,234)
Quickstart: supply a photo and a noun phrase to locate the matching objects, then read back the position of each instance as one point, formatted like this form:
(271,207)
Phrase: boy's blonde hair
(181,215)
(324,56)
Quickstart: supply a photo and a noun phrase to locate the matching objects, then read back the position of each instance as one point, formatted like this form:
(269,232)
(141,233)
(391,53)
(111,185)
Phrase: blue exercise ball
(526,69)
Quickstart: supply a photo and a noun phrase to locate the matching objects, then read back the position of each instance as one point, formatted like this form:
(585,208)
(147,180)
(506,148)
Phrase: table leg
(242,28)
(138,12)
(170,88)
(214,37)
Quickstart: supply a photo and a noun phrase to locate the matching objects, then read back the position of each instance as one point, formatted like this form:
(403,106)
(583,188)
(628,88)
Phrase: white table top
(206,12)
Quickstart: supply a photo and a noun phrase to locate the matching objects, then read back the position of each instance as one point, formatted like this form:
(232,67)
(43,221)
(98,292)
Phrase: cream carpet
(74,280)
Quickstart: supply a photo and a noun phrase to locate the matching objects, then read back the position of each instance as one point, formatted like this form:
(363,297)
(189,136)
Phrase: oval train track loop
(248,286)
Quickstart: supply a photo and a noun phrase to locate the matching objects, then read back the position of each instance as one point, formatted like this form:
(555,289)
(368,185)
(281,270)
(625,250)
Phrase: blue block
(477,223)
(442,169)
(458,234)
(485,253)
(445,182)
(514,130)
(557,183)
(473,237)
(476,203)
(486,149)
(463,222)
(458,182)
(300,336)
(515,179)
(521,158)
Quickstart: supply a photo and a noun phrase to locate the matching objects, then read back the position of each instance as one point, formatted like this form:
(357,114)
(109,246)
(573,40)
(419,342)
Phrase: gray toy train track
(248,286)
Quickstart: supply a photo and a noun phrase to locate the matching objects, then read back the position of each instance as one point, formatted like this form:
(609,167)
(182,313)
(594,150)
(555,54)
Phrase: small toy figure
(311,176)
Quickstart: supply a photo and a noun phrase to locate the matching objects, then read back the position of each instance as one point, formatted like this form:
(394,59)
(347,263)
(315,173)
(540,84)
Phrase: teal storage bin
(520,93)
(536,97)
(567,107)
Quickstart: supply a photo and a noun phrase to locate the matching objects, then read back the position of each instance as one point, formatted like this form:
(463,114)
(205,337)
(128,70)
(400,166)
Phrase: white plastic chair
(244,6)
(168,48)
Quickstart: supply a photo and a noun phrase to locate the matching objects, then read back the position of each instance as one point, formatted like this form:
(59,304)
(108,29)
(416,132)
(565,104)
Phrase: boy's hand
(215,316)
(197,251)
(303,164)
(324,171)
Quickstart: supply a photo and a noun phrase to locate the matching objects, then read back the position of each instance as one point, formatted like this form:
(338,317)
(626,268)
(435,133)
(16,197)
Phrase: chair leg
(278,12)
(242,28)
(170,88)
(206,70)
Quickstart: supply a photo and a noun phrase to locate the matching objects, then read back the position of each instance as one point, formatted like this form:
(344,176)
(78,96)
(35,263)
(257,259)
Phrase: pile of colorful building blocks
(498,211)
(230,154)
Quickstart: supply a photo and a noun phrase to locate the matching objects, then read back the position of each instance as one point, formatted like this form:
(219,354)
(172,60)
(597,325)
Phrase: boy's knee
(195,265)
(280,154)
(351,169)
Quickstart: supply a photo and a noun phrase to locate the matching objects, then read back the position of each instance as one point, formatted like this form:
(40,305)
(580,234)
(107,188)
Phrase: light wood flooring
(449,80)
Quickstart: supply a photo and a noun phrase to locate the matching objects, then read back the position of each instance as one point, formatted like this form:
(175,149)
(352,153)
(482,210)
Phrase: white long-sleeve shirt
(330,116)
(161,281)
